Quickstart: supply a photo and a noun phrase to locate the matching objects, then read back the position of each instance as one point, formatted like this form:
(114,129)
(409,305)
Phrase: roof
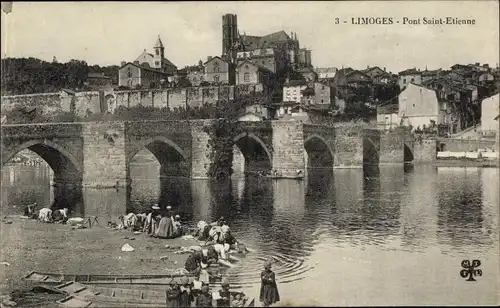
(256,65)
(352,76)
(269,40)
(497,117)
(411,71)
(213,58)
(97,75)
(159,43)
(306,70)
(326,70)
(143,68)
(293,83)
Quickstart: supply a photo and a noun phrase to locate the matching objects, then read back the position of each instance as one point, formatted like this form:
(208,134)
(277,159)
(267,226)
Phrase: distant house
(314,114)
(358,79)
(430,74)
(97,80)
(490,107)
(257,112)
(219,71)
(419,106)
(484,77)
(409,76)
(248,72)
(387,117)
(308,74)
(318,93)
(132,75)
(326,72)
(378,75)
(195,74)
(292,90)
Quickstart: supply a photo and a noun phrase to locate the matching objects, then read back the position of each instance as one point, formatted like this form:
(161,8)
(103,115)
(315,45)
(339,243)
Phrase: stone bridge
(98,154)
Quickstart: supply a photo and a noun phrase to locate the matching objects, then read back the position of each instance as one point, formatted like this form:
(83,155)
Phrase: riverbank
(465,163)
(29,245)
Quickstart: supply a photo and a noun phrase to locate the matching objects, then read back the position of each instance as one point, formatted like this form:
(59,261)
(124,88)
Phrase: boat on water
(81,294)
(112,280)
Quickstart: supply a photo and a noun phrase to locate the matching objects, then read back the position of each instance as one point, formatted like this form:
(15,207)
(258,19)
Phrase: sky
(107,33)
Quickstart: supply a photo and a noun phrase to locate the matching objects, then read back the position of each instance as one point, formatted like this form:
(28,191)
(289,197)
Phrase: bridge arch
(253,151)
(319,152)
(57,157)
(172,159)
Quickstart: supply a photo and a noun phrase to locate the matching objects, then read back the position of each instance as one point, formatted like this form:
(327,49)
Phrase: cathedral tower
(229,35)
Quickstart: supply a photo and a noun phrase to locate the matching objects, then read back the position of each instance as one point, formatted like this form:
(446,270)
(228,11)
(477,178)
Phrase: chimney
(384,69)
(136,62)
(367,67)
(123,63)
(477,63)
(209,58)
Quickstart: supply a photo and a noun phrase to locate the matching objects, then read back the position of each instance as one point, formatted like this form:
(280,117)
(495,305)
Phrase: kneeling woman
(199,260)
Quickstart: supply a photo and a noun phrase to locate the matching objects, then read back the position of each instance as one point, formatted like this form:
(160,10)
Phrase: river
(386,236)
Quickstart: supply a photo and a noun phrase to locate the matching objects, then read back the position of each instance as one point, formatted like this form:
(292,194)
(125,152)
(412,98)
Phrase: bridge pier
(288,148)
(104,155)
(200,153)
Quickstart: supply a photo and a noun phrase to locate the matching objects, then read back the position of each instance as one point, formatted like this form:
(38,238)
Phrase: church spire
(159,43)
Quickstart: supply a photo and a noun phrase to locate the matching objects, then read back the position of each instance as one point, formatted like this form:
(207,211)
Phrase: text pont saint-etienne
(409,21)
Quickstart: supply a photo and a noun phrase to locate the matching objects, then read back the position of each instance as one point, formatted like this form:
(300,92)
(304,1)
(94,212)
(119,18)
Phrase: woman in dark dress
(205,298)
(173,294)
(193,262)
(225,295)
(268,289)
(165,226)
(186,294)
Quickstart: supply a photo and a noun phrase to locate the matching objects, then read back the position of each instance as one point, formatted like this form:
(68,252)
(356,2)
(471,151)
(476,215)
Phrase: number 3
(337,21)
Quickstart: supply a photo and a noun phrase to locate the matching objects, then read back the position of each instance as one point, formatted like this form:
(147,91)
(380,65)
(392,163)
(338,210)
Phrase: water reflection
(361,218)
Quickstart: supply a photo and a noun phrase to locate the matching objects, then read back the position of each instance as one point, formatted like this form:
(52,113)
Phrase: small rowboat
(57,279)
(80,295)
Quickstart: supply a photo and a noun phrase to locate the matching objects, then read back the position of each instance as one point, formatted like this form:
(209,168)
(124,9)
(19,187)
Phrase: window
(413,80)
(413,105)
(216,78)
(157,52)
(404,80)
(129,74)
(322,101)
(322,87)
(129,83)
(246,77)
(216,69)
(157,63)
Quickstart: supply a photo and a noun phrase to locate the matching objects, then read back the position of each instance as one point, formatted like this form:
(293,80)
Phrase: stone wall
(104,155)
(85,103)
(465,145)
(50,102)
(288,148)
(424,151)
(391,148)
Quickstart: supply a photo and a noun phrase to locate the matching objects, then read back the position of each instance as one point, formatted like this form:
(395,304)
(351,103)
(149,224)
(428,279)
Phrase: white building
(489,110)
(292,91)
(418,106)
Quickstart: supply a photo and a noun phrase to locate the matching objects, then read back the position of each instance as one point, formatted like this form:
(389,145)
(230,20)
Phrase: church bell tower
(159,53)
